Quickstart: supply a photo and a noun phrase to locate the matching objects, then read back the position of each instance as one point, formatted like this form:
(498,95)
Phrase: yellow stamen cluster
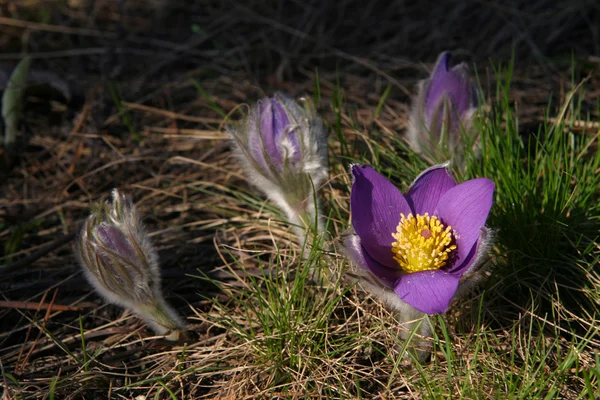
(422,243)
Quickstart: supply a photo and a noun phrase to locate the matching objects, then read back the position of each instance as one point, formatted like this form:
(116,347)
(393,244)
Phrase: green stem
(163,319)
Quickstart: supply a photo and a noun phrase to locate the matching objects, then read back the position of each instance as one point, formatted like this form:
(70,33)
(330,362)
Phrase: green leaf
(12,101)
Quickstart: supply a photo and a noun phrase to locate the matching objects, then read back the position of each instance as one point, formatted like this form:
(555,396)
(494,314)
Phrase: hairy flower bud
(283,146)
(120,262)
(443,111)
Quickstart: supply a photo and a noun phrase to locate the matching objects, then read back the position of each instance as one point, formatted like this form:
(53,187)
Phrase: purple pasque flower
(419,245)
(274,140)
(281,140)
(445,105)
(116,254)
(282,145)
(122,265)
(448,85)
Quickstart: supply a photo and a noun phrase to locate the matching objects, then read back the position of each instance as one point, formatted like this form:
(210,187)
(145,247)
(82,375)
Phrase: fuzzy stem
(310,230)
(163,319)
(416,329)
(304,215)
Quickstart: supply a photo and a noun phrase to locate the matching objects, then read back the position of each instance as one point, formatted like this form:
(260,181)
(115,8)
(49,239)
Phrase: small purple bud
(121,264)
(452,86)
(283,147)
(275,140)
(443,109)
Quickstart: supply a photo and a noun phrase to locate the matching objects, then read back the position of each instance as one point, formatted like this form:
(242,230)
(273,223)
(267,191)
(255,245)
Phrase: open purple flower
(421,244)
(445,105)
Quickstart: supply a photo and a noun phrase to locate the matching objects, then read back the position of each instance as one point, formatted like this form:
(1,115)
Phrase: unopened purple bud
(451,86)
(443,110)
(275,128)
(271,129)
(121,264)
(283,146)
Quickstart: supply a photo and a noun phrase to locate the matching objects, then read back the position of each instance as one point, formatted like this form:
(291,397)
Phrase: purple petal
(360,257)
(118,255)
(452,84)
(429,291)
(376,205)
(426,191)
(459,269)
(471,96)
(268,132)
(466,207)
(478,254)
(280,119)
(114,240)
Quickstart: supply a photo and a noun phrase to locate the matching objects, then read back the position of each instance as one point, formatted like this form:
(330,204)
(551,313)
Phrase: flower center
(422,243)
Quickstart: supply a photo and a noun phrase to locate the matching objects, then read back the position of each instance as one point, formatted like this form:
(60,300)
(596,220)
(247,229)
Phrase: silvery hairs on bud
(120,262)
(282,146)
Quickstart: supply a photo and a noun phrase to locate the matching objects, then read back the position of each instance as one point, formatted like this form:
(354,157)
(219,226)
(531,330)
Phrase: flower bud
(283,147)
(120,262)
(443,110)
